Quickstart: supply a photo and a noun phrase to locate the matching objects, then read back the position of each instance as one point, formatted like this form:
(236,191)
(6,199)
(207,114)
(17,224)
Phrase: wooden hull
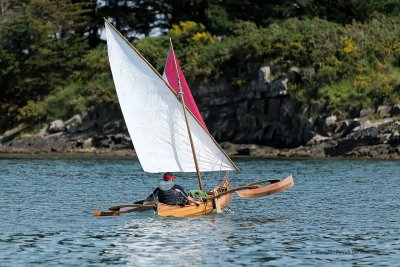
(164,210)
(267,190)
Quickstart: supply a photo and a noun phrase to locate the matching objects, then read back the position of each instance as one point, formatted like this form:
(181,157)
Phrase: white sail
(155,118)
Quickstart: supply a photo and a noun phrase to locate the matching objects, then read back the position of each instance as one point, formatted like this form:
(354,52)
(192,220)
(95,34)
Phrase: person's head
(168,176)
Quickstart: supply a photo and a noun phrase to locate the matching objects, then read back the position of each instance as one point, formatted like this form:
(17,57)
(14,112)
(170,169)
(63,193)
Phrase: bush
(91,86)
(347,65)
(31,112)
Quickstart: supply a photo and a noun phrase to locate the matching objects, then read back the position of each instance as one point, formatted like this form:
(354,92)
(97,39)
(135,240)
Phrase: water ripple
(339,213)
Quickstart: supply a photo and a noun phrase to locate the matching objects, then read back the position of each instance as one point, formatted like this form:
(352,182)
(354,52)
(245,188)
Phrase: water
(339,213)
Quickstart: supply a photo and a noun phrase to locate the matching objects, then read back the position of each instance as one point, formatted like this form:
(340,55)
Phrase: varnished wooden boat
(172,118)
(261,191)
(207,207)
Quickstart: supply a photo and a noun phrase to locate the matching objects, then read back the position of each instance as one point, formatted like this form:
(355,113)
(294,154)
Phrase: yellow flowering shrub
(362,82)
(192,32)
(31,111)
(204,38)
(348,45)
(186,26)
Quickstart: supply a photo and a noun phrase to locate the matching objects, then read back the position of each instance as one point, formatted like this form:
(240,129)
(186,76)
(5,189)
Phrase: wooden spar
(171,89)
(181,94)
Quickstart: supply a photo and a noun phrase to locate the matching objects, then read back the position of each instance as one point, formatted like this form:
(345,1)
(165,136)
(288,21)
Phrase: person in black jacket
(170,193)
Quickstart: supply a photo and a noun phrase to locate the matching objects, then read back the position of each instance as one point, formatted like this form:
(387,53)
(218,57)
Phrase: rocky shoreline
(259,120)
(22,150)
(377,140)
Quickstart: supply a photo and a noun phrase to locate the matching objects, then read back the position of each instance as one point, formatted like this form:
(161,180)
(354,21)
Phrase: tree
(39,48)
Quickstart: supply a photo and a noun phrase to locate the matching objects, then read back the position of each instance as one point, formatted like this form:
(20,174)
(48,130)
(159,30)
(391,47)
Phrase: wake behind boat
(166,127)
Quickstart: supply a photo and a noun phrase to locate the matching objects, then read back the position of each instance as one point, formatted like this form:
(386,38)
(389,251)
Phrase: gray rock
(288,110)
(347,126)
(88,143)
(277,88)
(79,144)
(243,151)
(391,127)
(384,111)
(294,74)
(246,150)
(394,138)
(369,133)
(273,106)
(227,145)
(360,136)
(101,141)
(264,75)
(380,124)
(329,125)
(11,134)
(42,132)
(317,140)
(249,124)
(384,138)
(258,106)
(56,126)
(73,124)
(396,110)
(367,112)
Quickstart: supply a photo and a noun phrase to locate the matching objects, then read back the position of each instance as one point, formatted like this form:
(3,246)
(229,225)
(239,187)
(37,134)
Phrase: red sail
(170,75)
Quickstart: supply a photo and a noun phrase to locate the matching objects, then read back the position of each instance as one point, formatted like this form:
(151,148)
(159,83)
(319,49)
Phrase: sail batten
(155,117)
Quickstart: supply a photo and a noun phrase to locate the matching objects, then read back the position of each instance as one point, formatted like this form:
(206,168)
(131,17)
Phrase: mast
(186,120)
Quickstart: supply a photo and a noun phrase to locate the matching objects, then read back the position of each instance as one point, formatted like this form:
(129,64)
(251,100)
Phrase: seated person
(170,193)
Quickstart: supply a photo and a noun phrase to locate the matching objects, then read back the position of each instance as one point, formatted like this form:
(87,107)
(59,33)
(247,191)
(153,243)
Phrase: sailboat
(167,130)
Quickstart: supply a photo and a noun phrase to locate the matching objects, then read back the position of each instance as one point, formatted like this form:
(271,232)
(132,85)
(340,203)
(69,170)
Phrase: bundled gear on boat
(198,194)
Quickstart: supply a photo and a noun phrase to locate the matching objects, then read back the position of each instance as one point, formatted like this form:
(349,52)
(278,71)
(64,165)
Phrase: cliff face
(260,116)
(261,112)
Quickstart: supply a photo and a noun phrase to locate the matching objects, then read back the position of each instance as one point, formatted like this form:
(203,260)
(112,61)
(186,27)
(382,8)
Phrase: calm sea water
(340,212)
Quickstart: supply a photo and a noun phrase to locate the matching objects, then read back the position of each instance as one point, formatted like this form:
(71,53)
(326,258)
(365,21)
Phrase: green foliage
(39,48)
(52,62)
(155,50)
(32,111)
(220,20)
(189,39)
(341,95)
(330,56)
(92,86)
(64,102)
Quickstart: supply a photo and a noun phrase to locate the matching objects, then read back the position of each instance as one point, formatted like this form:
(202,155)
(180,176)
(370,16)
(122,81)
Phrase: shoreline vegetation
(314,79)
